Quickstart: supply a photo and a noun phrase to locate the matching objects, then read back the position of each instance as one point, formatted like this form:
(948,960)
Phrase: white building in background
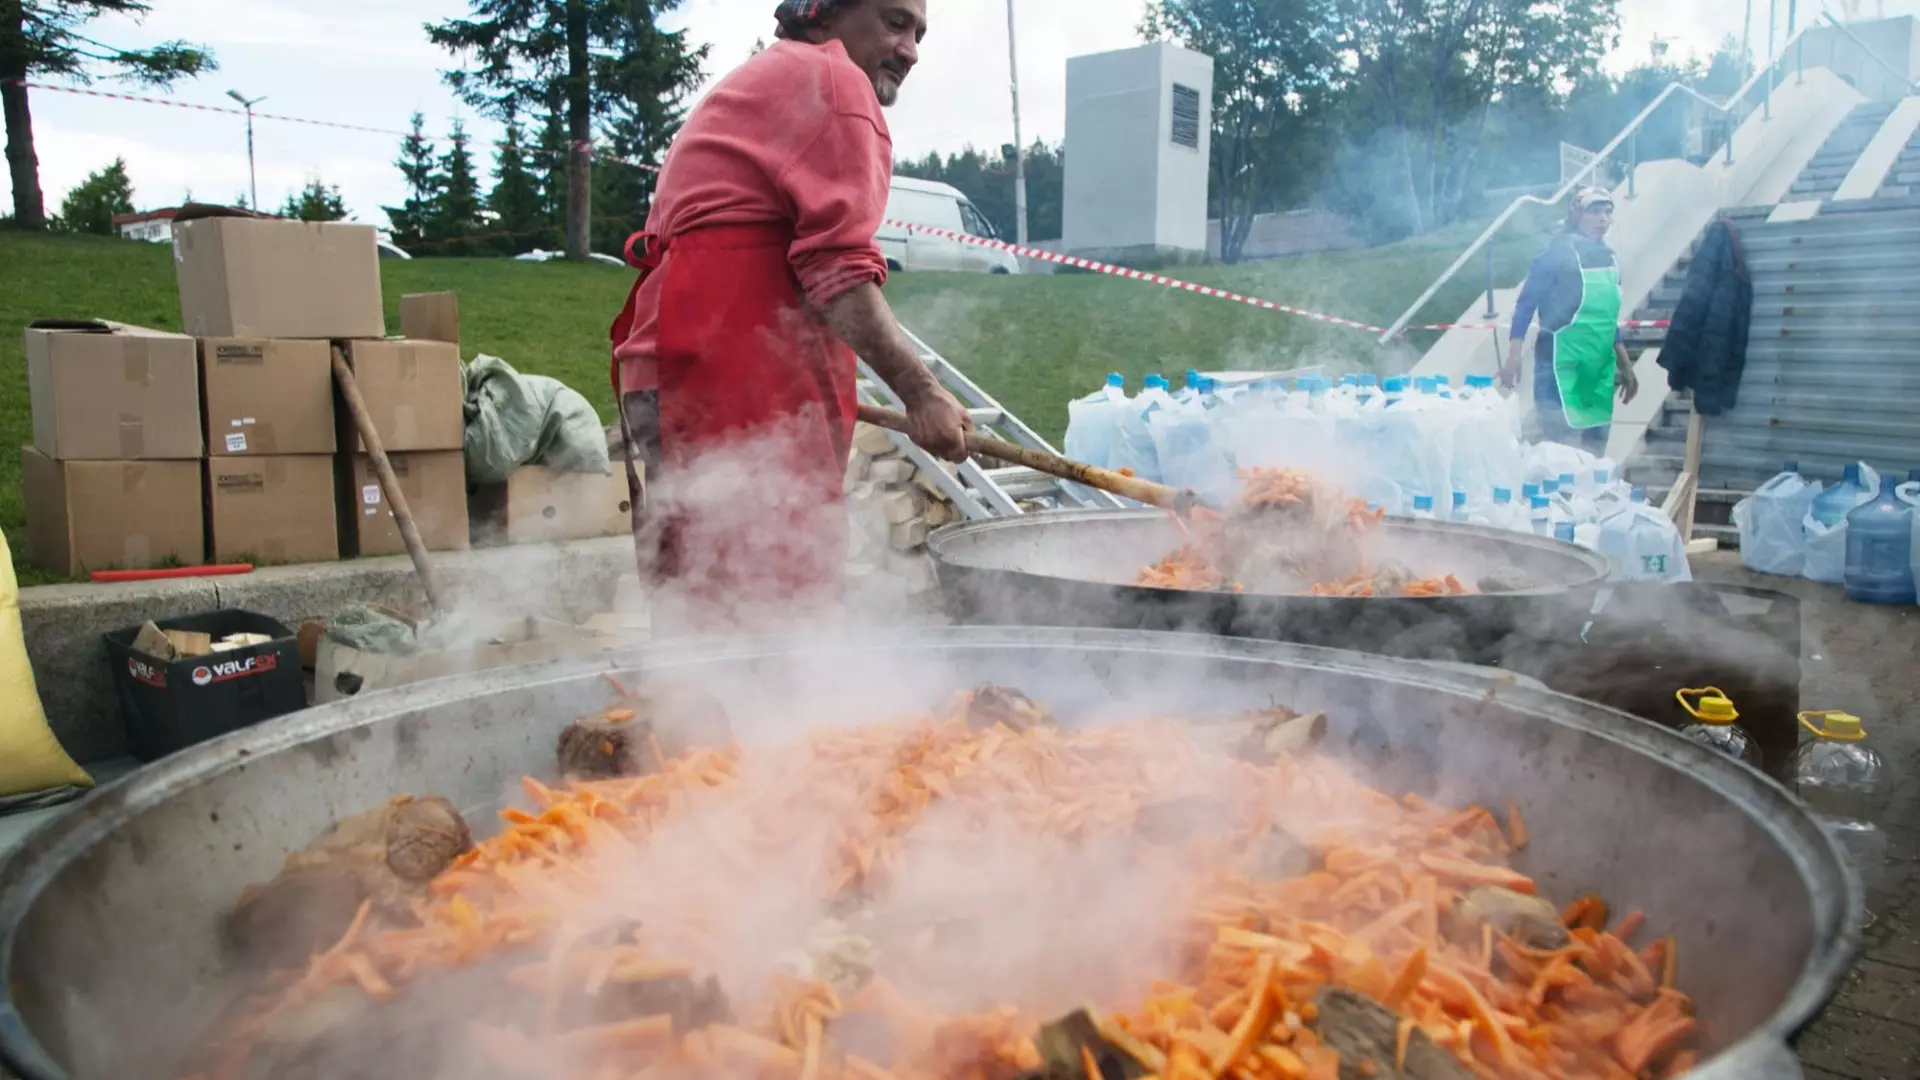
(155,226)
(1139,141)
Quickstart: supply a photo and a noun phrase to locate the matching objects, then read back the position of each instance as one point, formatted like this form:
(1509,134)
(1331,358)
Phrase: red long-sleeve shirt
(794,136)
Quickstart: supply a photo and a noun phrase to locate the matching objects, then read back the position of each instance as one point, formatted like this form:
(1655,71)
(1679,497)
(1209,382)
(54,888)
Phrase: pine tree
(417,165)
(315,202)
(516,199)
(591,60)
(92,204)
(647,75)
(456,212)
(39,38)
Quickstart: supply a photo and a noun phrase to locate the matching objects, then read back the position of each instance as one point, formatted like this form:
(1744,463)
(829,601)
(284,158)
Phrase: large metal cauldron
(1077,568)
(109,940)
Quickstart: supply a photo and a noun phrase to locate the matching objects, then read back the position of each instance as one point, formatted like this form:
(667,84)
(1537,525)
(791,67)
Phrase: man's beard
(887,88)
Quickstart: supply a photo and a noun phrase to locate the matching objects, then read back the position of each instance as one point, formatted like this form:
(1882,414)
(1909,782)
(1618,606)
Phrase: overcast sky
(302,56)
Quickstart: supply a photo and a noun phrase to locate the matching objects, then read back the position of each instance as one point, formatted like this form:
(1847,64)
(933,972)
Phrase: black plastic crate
(168,706)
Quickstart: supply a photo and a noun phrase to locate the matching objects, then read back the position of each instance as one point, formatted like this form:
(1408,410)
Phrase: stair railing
(1731,109)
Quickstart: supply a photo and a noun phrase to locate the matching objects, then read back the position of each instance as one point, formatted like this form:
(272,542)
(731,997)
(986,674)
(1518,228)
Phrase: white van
(939,206)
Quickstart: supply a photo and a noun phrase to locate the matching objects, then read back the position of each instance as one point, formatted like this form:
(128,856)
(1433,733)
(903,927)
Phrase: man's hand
(1510,371)
(939,424)
(1629,387)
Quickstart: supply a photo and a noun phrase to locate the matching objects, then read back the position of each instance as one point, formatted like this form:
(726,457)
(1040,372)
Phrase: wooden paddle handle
(1128,487)
(383,469)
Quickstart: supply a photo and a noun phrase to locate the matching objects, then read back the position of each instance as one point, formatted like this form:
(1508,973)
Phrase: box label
(240,354)
(237,443)
(229,670)
(146,673)
(242,484)
(370,494)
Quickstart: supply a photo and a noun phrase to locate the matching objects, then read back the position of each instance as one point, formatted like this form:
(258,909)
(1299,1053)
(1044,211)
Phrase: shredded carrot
(1238,1000)
(1517,834)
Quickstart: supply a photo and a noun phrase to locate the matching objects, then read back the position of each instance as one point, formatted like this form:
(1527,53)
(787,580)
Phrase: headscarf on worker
(796,17)
(1574,288)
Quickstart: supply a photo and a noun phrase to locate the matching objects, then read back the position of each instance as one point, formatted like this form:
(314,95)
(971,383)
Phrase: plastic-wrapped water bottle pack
(1414,447)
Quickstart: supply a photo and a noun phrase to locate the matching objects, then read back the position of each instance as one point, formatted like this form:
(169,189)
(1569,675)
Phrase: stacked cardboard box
(112,479)
(264,297)
(273,301)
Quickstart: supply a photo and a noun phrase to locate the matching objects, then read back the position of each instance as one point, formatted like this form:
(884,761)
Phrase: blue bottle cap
(1540,502)
(1192,376)
(1564,532)
(1852,474)
(1529,491)
(1156,382)
(1459,498)
(1423,502)
(1639,495)
(1503,496)
(1116,379)
(1791,466)
(1566,479)
(1549,487)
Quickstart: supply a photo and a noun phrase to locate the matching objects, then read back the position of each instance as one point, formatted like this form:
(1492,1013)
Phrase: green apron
(1583,356)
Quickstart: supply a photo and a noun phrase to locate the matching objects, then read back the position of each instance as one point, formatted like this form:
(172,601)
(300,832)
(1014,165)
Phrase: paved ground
(1866,660)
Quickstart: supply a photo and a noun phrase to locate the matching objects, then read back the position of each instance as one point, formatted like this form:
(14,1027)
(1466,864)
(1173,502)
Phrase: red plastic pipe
(227,570)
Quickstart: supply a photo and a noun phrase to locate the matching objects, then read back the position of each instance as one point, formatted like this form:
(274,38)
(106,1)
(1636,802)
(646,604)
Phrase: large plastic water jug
(1830,507)
(1772,540)
(1837,775)
(1825,526)
(1093,422)
(1880,550)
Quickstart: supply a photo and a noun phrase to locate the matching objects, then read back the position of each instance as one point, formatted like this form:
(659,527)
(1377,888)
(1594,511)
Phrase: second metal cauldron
(1076,568)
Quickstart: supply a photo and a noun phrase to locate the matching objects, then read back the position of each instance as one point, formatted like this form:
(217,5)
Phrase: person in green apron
(1580,361)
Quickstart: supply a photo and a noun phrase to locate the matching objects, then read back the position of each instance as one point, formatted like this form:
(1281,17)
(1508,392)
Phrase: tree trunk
(29,206)
(580,133)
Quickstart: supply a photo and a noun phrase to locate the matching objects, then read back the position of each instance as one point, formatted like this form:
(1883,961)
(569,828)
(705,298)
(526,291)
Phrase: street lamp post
(253,178)
(1019,146)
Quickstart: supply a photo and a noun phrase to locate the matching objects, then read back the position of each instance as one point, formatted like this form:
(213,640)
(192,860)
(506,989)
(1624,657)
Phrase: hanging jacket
(1706,345)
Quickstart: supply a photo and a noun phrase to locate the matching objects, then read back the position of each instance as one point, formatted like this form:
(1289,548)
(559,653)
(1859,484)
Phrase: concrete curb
(64,623)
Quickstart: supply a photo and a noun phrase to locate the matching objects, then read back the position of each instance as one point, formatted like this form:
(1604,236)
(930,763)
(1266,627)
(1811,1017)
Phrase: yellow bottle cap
(1714,706)
(1839,726)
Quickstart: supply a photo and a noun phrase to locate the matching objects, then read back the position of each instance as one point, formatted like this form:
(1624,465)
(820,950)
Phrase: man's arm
(862,318)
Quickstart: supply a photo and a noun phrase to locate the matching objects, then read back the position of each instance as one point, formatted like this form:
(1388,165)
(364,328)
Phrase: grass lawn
(1032,342)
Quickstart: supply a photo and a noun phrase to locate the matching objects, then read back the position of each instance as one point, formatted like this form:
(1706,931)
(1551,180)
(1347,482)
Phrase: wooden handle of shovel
(1127,487)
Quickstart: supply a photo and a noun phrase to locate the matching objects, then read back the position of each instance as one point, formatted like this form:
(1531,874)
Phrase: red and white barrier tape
(1054,257)
(223,109)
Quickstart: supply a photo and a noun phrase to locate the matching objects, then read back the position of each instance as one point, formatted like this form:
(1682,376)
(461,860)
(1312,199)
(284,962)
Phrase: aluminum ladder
(982,493)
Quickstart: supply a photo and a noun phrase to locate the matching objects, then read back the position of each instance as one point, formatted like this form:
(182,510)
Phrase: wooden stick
(1129,487)
(402,516)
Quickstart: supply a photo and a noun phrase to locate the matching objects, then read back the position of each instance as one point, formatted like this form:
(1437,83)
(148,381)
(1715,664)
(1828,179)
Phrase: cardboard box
(255,277)
(99,515)
(538,505)
(267,397)
(341,671)
(430,316)
(272,509)
(110,392)
(435,486)
(413,392)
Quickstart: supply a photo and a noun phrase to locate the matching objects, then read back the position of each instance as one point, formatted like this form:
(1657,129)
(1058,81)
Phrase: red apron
(757,397)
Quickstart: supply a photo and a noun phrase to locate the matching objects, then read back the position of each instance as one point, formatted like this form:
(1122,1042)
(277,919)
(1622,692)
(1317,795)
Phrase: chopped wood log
(872,441)
(900,507)
(910,536)
(891,471)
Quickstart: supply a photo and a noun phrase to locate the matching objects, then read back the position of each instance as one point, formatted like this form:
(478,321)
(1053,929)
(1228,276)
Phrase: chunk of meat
(1365,1031)
(672,716)
(989,705)
(385,856)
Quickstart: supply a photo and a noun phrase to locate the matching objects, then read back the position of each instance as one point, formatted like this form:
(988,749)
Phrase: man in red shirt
(760,281)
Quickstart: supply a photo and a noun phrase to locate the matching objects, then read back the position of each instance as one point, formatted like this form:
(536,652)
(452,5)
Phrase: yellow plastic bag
(31,759)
